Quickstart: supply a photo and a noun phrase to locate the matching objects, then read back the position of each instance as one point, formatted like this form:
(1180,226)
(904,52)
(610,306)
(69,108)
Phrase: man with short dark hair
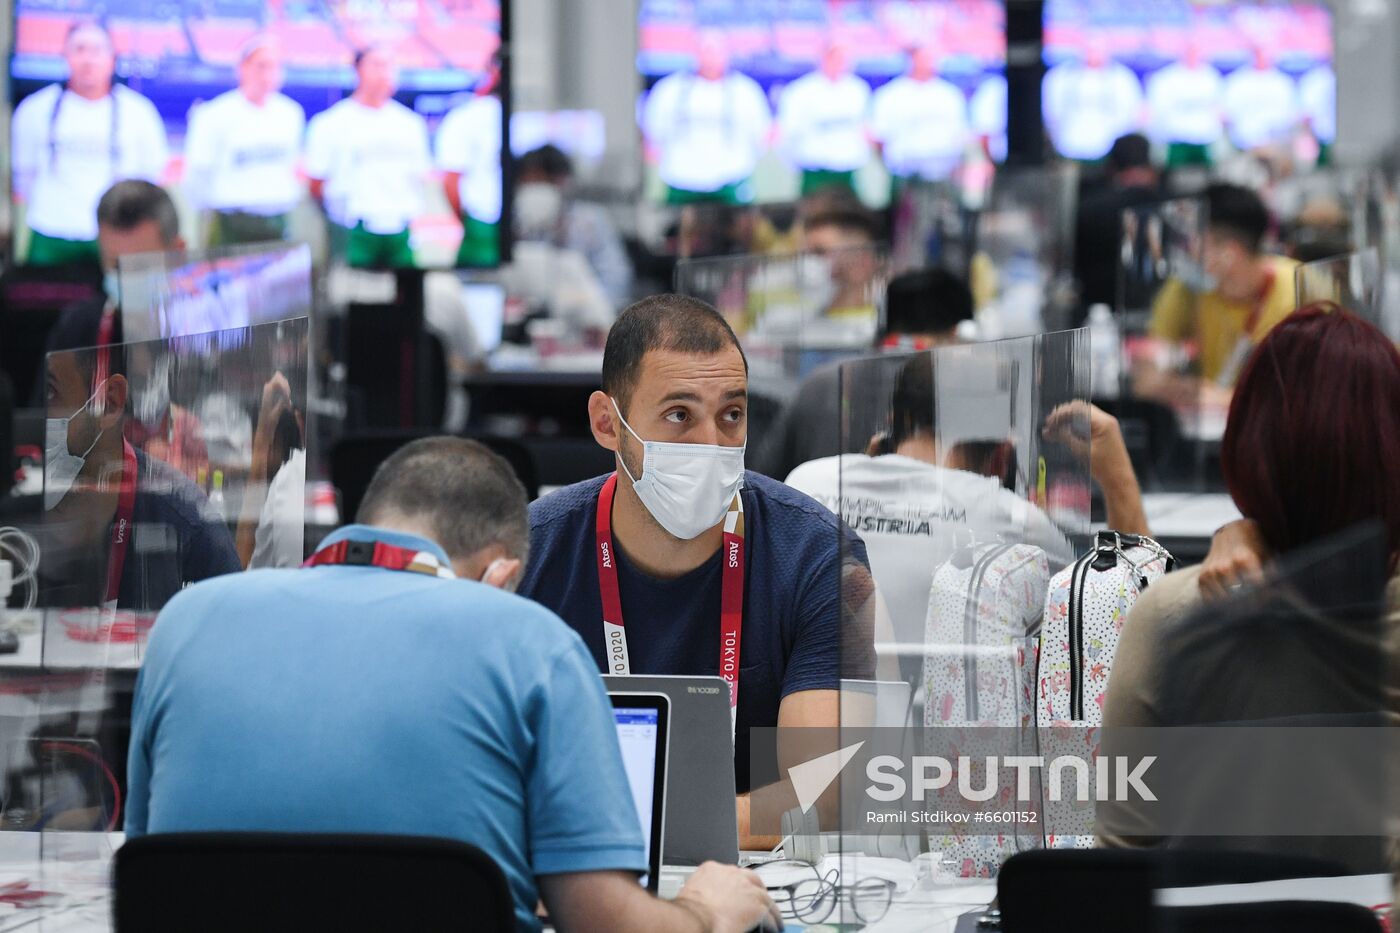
(1133,184)
(396,686)
(923,309)
(842,244)
(1245,292)
(715,570)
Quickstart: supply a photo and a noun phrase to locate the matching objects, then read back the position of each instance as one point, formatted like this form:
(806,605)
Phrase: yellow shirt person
(1217,325)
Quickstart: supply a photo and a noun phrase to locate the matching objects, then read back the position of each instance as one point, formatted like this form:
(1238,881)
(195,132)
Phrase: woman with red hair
(1311,449)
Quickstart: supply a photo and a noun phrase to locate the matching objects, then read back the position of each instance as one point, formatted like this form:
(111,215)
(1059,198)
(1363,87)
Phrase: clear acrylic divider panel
(1021,271)
(1171,382)
(169,461)
(198,292)
(973,493)
(793,313)
(1355,281)
(933,225)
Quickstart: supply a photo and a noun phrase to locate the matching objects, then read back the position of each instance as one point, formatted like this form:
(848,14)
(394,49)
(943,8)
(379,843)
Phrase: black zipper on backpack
(1076,635)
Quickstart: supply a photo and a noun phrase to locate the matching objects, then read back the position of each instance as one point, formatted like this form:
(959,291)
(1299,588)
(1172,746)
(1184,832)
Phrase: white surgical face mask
(687,488)
(538,207)
(111,285)
(62,466)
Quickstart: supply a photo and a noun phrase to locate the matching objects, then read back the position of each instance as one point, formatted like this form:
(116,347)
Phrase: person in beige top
(1309,451)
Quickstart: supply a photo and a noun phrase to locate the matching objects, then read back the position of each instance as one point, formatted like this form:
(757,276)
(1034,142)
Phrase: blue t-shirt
(794,629)
(358,699)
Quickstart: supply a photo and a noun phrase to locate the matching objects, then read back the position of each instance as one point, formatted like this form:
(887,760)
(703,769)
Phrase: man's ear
(502,572)
(602,418)
(110,403)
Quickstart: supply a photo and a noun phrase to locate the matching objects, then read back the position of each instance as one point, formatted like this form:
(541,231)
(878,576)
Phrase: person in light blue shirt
(383,689)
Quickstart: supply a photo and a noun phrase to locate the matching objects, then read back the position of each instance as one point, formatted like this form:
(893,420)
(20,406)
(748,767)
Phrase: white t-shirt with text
(923,126)
(374,162)
(65,159)
(822,122)
(708,133)
(243,157)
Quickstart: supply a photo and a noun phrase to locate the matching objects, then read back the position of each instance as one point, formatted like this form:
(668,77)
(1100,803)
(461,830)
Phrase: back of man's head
(459,492)
(1237,213)
(926,302)
(547,163)
(671,323)
(131,203)
(912,404)
(1132,151)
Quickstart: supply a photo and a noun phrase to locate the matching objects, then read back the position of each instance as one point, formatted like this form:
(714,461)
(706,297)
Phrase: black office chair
(1113,889)
(303,883)
(355,457)
(1269,917)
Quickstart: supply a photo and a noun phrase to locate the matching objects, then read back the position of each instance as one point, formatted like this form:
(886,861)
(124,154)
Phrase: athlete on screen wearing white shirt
(1090,102)
(70,142)
(707,128)
(821,121)
(242,151)
(469,155)
(368,160)
(1184,107)
(920,121)
(1261,103)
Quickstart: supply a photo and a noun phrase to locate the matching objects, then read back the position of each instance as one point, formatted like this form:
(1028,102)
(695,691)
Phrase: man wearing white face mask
(122,529)
(680,562)
(395,685)
(545,212)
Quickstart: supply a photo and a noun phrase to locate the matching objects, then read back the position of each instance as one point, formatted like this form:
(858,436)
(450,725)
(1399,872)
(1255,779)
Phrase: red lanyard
(379,554)
(121,526)
(731,600)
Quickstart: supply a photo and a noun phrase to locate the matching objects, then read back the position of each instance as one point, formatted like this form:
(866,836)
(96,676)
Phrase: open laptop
(643,721)
(701,824)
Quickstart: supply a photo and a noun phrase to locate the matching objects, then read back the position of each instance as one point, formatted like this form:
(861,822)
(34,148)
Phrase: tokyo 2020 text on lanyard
(731,611)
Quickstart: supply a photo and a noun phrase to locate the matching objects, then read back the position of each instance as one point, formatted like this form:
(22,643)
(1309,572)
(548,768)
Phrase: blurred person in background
(1241,294)
(469,154)
(920,121)
(1261,104)
(546,211)
(243,149)
(1133,182)
(1090,101)
(368,160)
(707,128)
(821,121)
(843,260)
(71,141)
(923,310)
(1184,106)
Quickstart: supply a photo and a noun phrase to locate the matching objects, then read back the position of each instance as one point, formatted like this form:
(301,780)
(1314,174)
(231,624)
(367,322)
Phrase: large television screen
(1201,80)
(767,100)
(386,114)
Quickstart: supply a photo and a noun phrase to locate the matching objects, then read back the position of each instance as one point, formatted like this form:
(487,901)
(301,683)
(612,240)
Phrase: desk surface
(74,868)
